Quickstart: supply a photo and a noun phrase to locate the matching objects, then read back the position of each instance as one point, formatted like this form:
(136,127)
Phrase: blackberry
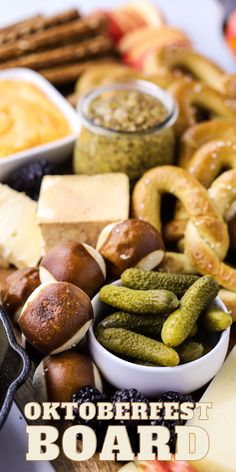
(176,397)
(128,395)
(28,178)
(92,395)
(170,424)
(131,395)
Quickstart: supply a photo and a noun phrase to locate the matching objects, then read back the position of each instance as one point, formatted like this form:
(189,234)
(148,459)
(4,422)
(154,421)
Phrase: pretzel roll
(201,133)
(199,67)
(195,97)
(194,197)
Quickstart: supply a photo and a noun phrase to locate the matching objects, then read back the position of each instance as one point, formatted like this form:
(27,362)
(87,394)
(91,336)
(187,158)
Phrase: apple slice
(149,12)
(156,40)
(145,35)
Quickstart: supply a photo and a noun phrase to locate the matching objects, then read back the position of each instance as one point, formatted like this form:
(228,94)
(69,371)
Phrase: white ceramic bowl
(57,150)
(150,381)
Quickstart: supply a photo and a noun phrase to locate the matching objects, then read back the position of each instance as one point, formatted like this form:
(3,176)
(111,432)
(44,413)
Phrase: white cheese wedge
(221,426)
(20,236)
(78,207)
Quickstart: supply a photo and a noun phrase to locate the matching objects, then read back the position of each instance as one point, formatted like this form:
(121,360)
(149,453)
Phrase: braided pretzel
(199,67)
(193,97)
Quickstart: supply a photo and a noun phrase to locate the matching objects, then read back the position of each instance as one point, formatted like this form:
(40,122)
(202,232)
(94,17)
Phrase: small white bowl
(57,150)
(150,381)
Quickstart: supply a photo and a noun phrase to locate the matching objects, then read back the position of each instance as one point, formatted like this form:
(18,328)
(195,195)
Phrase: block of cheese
(20,237)
(221,425)
(77,207)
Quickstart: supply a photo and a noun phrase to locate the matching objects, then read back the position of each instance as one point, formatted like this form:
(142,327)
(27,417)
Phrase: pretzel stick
(34,24)
(73,52)
(9,31)
(61,34)
(70,72)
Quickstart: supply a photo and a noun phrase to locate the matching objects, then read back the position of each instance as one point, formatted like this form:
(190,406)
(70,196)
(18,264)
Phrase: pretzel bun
(79,264)
(56,316)
(130,243)
(58,377)
(17,288)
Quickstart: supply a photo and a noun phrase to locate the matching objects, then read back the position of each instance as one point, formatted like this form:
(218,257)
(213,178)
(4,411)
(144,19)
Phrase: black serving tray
(14,366)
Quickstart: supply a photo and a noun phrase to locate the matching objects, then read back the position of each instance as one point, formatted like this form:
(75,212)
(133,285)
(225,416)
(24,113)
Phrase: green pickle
(193,331)
(127,343)
(149,325)
(145,363)
(190,351)
(150,280)
(215,319)
(139,302)
(179,324)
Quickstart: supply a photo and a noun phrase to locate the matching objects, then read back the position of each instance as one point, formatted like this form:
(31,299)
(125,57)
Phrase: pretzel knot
(206,235)
(193,98)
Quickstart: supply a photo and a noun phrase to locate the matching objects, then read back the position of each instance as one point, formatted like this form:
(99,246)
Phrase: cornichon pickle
(180,323)
(149,325)
(190,351)
(145,363)
(215,319)
(127,343)
(193,331)
(149,280)
(139,302)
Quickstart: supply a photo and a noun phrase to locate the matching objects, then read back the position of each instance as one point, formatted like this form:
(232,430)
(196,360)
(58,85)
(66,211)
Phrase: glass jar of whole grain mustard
(125,128)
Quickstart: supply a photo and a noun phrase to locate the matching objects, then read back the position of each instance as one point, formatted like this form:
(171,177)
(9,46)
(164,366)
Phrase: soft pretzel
(194,97)
(223,194)
(200,210)
(177,263)
(210,159)
(213,156)
(206,235)
(210,145)
(206,164)
(201,133)
(188,61)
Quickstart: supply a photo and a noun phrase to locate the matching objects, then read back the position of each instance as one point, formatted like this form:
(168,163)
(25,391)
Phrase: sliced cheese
(20,237)
(221,425)
(79,206)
